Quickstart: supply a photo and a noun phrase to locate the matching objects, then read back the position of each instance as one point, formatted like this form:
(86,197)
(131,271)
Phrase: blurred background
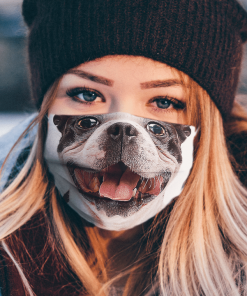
(15,102)
(14,86)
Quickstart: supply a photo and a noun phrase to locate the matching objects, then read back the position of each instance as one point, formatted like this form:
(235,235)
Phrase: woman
(147,76)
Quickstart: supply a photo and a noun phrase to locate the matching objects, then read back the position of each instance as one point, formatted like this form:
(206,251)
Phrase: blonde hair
(195,246)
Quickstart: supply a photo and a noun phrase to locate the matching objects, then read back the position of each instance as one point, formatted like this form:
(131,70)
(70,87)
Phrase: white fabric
(112,218)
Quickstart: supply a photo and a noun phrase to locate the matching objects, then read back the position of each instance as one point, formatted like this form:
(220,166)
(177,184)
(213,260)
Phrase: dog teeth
(94,184)
(134,192)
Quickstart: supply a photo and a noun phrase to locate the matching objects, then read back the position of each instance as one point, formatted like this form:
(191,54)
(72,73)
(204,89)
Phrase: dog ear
(60,122)
(183,132)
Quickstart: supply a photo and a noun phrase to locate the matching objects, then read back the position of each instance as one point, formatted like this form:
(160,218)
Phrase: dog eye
(86,123)
(156,129)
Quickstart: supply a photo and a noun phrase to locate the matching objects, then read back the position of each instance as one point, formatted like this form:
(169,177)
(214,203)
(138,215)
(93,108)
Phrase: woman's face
(136,85)
(115,173)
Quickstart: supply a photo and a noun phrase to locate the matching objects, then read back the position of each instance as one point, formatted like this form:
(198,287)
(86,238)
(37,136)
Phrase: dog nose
(119,130)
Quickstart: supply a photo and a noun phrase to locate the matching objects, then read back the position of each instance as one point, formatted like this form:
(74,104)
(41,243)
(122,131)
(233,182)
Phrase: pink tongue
(119,187)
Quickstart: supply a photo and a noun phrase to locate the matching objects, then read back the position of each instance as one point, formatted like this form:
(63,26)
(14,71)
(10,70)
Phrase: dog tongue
(119,187)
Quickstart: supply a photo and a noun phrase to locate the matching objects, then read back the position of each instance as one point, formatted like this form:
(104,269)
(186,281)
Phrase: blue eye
(169,102)
(87,96)
(83,95)
(163,103)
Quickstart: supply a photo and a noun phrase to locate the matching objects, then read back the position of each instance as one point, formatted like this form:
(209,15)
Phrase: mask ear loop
(42,134)
(196,141)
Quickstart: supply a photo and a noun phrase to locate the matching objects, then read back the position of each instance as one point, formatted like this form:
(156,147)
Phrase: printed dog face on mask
(120,162)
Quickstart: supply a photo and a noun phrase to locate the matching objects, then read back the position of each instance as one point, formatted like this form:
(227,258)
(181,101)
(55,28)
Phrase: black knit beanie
(202,38)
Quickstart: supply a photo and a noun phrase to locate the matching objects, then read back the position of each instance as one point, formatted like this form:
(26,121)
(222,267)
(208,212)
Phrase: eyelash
(74,92)
(177,104)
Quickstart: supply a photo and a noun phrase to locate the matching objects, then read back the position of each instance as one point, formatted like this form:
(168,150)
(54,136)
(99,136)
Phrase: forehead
(137,67)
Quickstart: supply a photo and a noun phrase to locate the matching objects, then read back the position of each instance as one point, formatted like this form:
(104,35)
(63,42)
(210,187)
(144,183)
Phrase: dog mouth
(118,183)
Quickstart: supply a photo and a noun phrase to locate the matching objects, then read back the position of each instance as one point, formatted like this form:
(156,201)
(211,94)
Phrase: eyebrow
(161,83)
(89,76)
(109,82)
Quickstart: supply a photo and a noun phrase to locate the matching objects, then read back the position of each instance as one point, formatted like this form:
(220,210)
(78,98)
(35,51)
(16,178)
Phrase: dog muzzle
(118,170)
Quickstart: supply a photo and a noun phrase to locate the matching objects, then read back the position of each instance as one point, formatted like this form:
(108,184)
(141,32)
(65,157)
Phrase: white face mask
(118,170)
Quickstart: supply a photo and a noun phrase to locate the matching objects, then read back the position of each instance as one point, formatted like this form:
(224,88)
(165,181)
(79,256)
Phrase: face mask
(118,170)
